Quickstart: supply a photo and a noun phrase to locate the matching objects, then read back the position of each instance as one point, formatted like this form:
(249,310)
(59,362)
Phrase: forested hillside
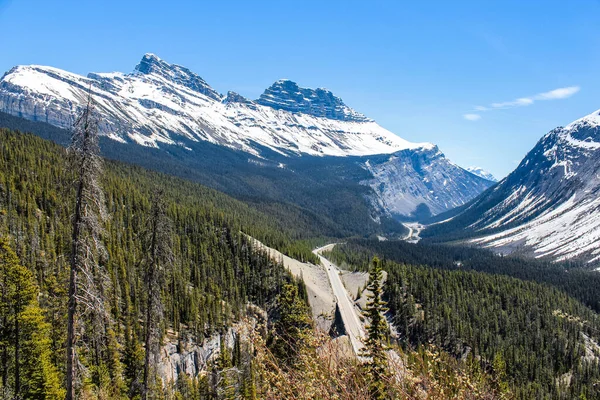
(511,331)
(306,189)
(210,276)
(542,340)
(213,275)
(574,278)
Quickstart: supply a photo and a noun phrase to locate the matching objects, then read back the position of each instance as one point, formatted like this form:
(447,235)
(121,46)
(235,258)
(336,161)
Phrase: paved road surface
(410,232)
(350,317)
(414,229)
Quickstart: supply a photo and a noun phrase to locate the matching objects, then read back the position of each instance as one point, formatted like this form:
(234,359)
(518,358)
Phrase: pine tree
(293,324)
(40,377)
(133,359)
(248,389)
(87,278)
(159,255)
(377,330)
(24,331)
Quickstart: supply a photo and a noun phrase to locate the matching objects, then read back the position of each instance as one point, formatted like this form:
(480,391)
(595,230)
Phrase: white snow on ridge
(36,80)
(561,233)
(151,109)
(560,190)
(592,119)
(480,172)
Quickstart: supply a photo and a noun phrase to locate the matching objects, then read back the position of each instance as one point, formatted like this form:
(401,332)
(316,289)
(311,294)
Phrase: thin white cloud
(472,117)
(560,93)
(556,94)
(523,101)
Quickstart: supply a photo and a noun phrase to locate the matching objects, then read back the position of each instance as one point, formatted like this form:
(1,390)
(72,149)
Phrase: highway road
(350,317)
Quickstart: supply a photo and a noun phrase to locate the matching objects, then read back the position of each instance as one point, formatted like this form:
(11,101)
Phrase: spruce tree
(28,371)
(159,255)
(293,324)
(377,332)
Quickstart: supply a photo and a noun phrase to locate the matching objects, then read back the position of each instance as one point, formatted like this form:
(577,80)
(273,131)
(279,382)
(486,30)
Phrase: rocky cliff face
(420,183)
(46,104)
(152,65)
(178,357)
(287,95)
(192,359)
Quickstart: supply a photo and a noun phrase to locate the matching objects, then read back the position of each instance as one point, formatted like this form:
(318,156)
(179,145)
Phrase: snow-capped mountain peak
(234,97)
(152,64)
(482,173)
(287,95)
(163,103)
(548,206)
(591,120)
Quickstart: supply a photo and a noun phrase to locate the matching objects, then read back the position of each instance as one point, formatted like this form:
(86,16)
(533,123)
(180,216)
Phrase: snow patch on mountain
(591,120)
(560,233)
(482,173)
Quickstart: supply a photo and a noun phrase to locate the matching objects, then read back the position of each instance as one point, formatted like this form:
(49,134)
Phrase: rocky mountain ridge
(161,105)
(548,206)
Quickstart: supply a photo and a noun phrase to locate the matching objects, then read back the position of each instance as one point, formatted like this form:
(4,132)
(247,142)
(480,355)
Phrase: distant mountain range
(306,147)
(549,206)
(161,103)
(311,134)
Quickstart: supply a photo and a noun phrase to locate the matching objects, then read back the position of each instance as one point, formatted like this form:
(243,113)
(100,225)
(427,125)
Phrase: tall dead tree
(159,255)
(86,293)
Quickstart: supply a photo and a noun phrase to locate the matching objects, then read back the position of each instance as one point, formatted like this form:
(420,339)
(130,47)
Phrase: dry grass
(326,370)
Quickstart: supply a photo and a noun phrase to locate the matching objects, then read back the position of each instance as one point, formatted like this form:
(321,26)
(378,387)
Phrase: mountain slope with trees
(296,192)
(536,339)
(213,275)
(209,271)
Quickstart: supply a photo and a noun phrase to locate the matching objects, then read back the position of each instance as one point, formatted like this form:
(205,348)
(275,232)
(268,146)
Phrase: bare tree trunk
(72,307)
(71,336)
(148,345)
(150,303)
(86,246)
(5,333)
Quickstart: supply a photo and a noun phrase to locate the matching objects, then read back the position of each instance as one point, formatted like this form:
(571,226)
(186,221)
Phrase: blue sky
(416,67)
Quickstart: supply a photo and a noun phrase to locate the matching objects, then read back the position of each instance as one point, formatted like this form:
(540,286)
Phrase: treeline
(214,272)
(538,337)
(307,195)
(580,283)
